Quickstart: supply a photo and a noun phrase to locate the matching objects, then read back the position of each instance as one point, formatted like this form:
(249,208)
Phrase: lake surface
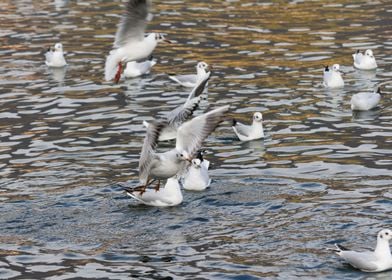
(67,138)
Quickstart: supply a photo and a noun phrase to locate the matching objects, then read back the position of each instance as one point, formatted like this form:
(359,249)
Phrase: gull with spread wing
(130,43)
(190,136)
(190,80)
(249,132)
(183,112)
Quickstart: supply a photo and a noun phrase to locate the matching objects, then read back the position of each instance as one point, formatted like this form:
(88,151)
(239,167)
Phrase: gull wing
(191,134)
(185,111)
(242,129)
(361,260)
(184,79)
(199,88)
(133,22)
(147,155)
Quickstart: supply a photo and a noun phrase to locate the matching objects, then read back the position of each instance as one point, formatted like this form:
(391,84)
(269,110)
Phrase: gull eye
(386,233)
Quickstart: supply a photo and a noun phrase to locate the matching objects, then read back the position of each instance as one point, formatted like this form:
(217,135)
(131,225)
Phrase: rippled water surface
(322,174)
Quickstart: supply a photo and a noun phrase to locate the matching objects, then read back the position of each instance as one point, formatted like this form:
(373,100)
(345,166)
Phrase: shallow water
(322,175)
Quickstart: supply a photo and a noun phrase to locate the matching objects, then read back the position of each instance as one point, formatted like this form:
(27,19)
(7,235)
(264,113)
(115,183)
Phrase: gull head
(196,162)
(257,117)
(202,65)
(385,234)
(369,53)
(58,47)
(183,156)
(336,67)
(159,37)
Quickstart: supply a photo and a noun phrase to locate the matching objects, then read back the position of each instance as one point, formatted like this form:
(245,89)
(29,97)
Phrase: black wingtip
(326,68)
(150,58)
(379,91)
(357,51)
(341,247)
(234,122)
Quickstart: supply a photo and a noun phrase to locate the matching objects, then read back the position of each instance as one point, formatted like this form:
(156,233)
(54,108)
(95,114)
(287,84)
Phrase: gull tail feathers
(338,249)
(130,193)
(111,66)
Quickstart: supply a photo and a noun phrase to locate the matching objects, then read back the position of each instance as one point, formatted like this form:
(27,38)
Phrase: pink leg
(118,74)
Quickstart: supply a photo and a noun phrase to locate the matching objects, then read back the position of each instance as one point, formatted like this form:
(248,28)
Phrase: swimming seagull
(135,69)
(364,61)
(190,80)
(370,261)
(249,132)
(131,44)
(365,101)
(190,135)
(55,56)
(169,195)
(333,78)
(197,178)
(180,114)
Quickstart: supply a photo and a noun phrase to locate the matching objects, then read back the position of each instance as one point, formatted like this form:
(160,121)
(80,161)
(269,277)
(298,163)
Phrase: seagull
(130,43)
(55,56)
(333,78)
(170,195)
(190,135)
(182,113)
(197,178)
(365,101)
(135,69)
(370,261)
(191,80)
(364,61)
(249,132)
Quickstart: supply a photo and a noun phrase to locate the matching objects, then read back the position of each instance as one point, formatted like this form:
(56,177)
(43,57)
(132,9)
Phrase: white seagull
(197,178)
(333,78)
(182,113)
(135,69)
(169,195)
(131,44)
(190,80)
(249,132)
(370,261)
(365,101)
(364,61)
(54,57)
(190,135)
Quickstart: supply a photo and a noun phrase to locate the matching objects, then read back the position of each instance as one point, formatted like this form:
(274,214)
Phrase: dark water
(322,175)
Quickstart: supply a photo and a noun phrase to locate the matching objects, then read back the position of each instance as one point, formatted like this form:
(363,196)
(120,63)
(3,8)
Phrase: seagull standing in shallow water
(364,61)
(54,57)
(190,80)
(249,132)
(131,44)
(370,261)
(190,135)
(333,77)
